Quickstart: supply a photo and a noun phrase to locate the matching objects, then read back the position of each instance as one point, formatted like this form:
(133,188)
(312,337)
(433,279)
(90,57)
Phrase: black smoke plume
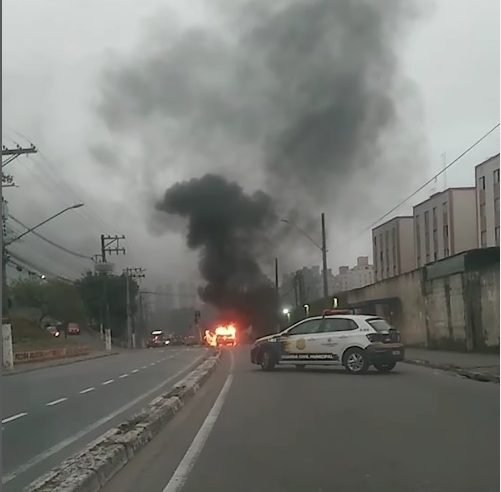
(229,228)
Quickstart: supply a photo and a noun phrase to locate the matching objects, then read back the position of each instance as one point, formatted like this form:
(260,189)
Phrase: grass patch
(28,335)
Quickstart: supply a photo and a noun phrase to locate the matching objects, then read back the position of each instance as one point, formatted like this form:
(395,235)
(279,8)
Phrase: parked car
(53,330)
(353,341)
(157,339)
(73,329)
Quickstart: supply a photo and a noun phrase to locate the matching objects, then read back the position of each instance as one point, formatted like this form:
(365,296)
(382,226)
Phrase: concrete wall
(451,304)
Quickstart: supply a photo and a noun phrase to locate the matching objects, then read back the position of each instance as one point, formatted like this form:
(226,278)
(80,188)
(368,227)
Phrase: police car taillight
(373,337)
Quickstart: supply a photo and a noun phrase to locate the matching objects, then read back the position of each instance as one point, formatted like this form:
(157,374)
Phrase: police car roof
(351,316)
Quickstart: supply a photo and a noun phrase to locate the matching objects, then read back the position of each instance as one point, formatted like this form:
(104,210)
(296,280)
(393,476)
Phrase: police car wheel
(267,361)
(385,367)
(355,361)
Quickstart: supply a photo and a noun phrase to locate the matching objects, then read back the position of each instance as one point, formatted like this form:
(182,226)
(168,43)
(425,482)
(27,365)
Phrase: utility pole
(131,273)
(324,257)
(109,244)
(277,294)
(8,155)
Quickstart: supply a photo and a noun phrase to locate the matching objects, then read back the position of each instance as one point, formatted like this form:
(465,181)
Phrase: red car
(73,329)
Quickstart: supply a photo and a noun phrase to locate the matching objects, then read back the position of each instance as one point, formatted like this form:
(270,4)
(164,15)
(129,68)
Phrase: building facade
(393,247)
(487,202)
(445,224)
(352,278)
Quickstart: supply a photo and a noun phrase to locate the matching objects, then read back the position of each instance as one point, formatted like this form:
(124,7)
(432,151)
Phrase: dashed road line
(122,376)
(87,390)
(144,367)
(108,382)
(134,371)
(55,402)
(152,363)
(14,417)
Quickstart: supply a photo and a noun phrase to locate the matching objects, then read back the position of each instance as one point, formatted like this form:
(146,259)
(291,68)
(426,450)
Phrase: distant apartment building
(445,224)
(393,247)
(352,278)
(301,286)
(487,202)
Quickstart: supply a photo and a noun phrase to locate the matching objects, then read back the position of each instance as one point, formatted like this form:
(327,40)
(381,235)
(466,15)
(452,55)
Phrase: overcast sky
(54,56)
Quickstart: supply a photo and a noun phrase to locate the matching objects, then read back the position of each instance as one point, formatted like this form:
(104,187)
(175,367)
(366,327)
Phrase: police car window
(380,324)
(310,326)
(337,324)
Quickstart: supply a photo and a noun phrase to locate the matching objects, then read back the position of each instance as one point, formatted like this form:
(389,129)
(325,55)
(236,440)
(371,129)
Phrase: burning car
(222,336)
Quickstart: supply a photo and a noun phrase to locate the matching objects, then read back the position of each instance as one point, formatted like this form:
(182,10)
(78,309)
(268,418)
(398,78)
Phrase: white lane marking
(134,371)
(87,390)
(152,363)
(107,382)
(180,476)
(144,367)
(14,417)
(122,376)
(55,402)
(6,478)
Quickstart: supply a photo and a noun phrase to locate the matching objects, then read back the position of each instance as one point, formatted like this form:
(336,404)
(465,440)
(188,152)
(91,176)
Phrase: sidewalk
(35,366)
(479,366)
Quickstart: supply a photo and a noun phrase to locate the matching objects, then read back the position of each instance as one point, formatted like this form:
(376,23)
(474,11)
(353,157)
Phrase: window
(481,182)
(496,176)
(337,324)
(446,240)
(496,233)
(380,325)
(434,212)
(309,326)
(496,206)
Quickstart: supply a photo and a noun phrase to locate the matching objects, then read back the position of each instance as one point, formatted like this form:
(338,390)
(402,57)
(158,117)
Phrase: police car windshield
(380,325)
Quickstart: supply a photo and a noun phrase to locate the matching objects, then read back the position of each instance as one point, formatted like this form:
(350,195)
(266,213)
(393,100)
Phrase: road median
(90,469)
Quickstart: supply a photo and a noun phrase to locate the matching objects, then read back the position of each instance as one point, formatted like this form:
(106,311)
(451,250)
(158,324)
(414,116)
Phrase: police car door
(335,335)
(298,342)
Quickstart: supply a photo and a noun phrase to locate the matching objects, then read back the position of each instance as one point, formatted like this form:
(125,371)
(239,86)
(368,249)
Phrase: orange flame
(226,331)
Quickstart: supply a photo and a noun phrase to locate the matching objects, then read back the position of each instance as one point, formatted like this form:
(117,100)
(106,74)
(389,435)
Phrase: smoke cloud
(229,228)
(297,98)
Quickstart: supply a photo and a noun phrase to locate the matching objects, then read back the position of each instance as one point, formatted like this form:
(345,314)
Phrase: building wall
(407,258)
(444,224)
(391,243)
(487,202)
(451,304)
(464,232)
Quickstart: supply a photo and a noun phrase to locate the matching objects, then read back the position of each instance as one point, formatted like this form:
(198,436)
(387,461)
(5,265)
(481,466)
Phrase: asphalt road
(51,413)
(416,429)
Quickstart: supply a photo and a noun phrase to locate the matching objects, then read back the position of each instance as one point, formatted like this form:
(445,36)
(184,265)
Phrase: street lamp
(31,229)
(287,312)
(322,248)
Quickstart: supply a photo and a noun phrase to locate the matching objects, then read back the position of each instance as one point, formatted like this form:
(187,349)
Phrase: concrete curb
(92,468)
(468,373)
(54,363)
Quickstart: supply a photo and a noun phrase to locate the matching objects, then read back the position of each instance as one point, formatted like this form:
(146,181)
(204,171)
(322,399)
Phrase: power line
(35,267)
(424,185)
(58,246)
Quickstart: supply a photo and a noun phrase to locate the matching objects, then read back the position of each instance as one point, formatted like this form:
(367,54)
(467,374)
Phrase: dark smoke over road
(229,228)
(303,99)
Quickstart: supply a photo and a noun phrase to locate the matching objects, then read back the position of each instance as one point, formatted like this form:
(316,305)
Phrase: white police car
(353,340)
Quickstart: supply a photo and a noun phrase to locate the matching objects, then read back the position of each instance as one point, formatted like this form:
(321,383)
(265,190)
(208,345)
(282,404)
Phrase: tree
(54,298)
(94,289)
